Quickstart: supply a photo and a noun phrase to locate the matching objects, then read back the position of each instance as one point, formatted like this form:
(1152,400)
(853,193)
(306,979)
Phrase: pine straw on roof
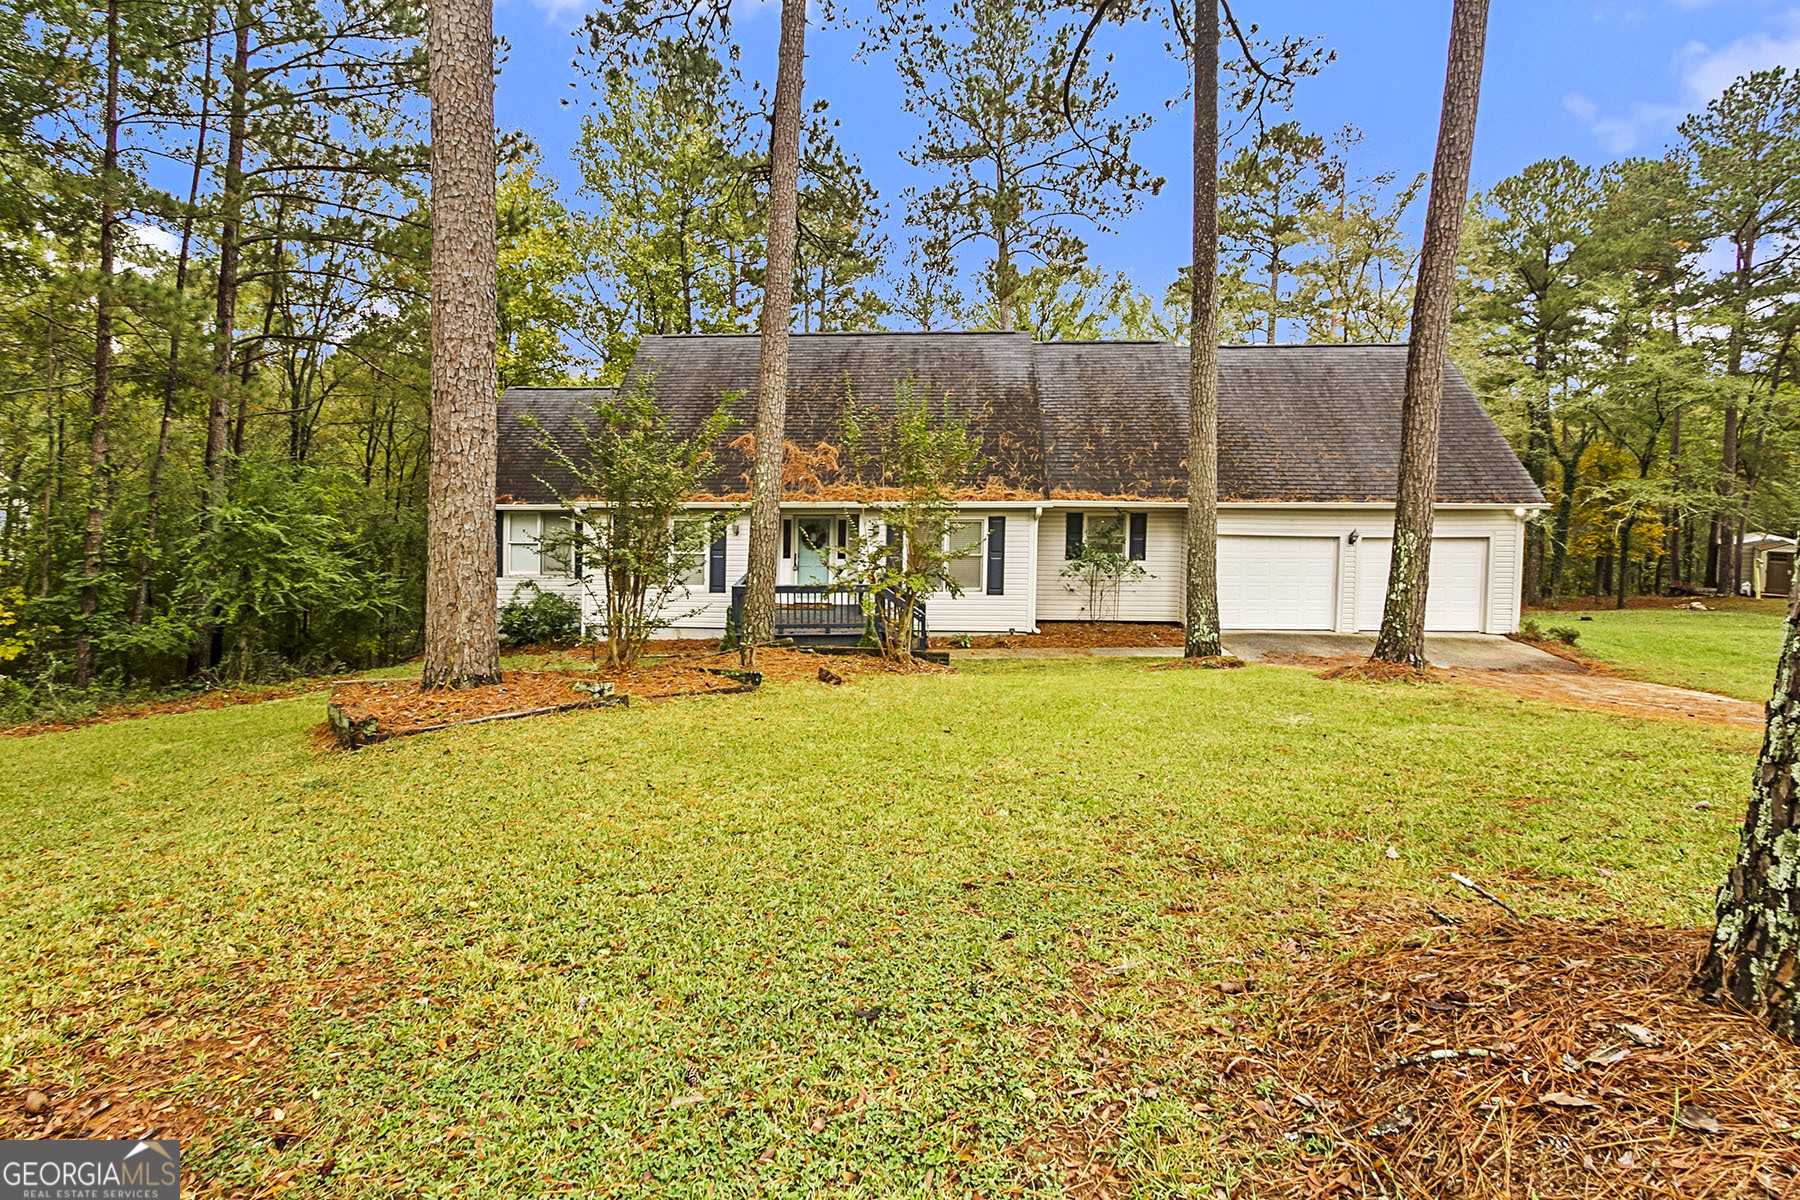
(1571,1059)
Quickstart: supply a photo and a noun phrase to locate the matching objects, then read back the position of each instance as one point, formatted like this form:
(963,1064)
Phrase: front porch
(833,615)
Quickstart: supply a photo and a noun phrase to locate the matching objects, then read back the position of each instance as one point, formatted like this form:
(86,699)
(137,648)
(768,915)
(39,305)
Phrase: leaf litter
(1577,1062)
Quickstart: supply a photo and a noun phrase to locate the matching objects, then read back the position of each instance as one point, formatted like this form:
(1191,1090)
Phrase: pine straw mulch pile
(401,706)
(1206,662)
(1370,671)
(776,664)
(1549,1058)
(1074,635)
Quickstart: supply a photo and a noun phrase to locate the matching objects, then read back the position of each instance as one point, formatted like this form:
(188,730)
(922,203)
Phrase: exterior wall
(1034,589)
(1160,598)
(1156,597)
(699,612)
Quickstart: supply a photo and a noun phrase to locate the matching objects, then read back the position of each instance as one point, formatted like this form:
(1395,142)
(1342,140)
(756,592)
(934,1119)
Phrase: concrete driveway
(1473,651)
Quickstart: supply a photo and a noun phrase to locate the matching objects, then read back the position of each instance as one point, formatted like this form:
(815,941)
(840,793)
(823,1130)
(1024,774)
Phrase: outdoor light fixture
(1355,537)
(1519,513)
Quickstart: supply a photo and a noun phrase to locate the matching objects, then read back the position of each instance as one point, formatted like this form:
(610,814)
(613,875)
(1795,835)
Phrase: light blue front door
(811,550)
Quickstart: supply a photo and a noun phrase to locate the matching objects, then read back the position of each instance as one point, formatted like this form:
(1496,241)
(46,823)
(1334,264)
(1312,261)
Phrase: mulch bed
(1207,662)
(1511,1059)
(1370,671)
(365,711)
(1074,635)
(779,664)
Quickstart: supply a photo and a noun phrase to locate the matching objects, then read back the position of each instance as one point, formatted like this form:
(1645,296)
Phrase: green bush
(536,617)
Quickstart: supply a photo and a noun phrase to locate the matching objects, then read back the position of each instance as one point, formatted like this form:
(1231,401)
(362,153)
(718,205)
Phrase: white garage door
(1456,600)
(1278,582)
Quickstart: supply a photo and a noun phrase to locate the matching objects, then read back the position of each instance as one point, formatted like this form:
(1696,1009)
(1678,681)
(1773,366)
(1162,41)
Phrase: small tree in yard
(633,478)
(909,469)
(1099,569)
(1755,955)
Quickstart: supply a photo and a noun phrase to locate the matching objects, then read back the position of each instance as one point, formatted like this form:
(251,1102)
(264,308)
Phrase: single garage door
(1456,600)
(1278,582)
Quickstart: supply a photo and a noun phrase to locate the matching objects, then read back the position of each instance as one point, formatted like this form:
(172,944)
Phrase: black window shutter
(843,533)
(499,542)
(787,539)
(715,566)
(1072,537)
(575,550)
(1139,530)
(996,564)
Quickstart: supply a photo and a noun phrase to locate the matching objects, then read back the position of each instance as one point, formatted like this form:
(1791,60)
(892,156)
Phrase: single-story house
(1081,436)
(1768,564)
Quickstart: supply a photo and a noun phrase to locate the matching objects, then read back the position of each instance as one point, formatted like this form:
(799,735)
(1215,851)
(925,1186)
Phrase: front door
(812,553)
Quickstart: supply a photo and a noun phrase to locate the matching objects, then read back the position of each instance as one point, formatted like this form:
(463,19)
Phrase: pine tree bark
(1402,637)
(206,647)
(99,411)
(462,641)
(1202,607)
(1754,959)
(172,379)
(777,315)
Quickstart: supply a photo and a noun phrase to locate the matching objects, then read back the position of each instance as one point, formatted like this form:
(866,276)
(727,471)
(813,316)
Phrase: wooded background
(214,344)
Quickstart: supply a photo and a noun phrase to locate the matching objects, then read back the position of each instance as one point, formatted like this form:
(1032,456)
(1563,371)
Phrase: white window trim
(529,543)
(979,587)
(702,557)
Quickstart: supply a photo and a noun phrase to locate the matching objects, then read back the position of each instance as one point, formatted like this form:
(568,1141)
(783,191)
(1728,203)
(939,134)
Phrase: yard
(1728,648)
(803,942)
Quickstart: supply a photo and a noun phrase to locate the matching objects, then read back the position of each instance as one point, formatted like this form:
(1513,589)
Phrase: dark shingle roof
(1073,419)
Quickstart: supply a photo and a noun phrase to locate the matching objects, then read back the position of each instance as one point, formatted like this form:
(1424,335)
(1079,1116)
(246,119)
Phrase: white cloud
(160,240)
(1621,133)
(1701,73)
(1705,73)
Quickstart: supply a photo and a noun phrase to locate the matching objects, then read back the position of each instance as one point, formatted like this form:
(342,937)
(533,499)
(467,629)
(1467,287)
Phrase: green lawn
(812,941)
(1731,650)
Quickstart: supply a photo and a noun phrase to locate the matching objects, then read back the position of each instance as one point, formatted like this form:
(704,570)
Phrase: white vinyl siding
(1154,596)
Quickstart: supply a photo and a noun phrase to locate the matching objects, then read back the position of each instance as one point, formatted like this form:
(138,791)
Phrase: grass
(806,942)
(1729,650)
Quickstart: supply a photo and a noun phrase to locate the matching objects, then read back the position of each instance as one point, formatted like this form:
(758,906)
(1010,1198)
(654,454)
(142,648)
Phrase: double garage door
(1292,583)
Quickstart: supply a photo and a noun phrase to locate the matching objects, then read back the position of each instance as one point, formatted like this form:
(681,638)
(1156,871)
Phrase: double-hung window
(964,544)
(537,543)
(689,546)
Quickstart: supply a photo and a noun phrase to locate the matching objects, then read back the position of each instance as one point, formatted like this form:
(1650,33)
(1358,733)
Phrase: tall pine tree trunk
(462,640)
(1755,955)
(207,644)
(1202,608)
(1402,638)
(777,315)
(172,379)
(99,412)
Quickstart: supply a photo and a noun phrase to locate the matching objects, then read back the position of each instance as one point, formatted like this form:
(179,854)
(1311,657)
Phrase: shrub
(1568,635)
(536,616)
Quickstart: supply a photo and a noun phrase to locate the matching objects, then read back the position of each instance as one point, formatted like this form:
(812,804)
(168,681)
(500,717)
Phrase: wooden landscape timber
(356,716)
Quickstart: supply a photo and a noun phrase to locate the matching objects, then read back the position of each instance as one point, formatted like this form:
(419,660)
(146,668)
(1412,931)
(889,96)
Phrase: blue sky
(1594,81)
